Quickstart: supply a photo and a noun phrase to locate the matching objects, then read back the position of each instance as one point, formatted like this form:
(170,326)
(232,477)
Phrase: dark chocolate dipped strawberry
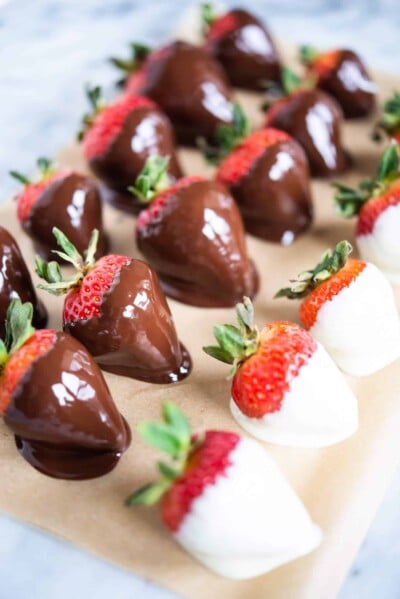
(59,198)
(389,123)
(118,138)
(188,84)
(56,402)
(116,308)
(192,234)
(242,45)
(314,119)
(342,74)
(16,282)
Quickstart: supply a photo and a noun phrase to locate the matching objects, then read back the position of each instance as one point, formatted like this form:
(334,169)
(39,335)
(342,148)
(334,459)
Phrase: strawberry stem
(349,201)
(307,281)
(152,180)
(45,167)
(236,344)
(97,104)
(18,329)
(390,120)
(227,137)
(208,16)
(172,436)
(139,53)
(51,271)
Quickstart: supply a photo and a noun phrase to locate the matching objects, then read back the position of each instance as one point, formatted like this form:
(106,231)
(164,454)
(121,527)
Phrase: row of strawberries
(277,373)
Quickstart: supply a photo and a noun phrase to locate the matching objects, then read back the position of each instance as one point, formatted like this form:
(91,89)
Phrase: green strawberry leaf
(147,495)
(176,419)
(290,81)
(152,180)
(388,168)
(307,54)
(160,436)
(20,178)
(167,471)
(70,253)
(218,353)
(18,324)
(227,137)
(208,16)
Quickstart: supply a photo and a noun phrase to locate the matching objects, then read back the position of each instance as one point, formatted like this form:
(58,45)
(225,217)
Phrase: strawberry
(243,46)
(267,174)
(314,119)
(16,282)
(81,437)
(62,198)
(116,308)
(224,500)
(276,395)
(342,74)
(376,203)
(348,305)
(188,84)
(390,120)
(192,234)
(118,138)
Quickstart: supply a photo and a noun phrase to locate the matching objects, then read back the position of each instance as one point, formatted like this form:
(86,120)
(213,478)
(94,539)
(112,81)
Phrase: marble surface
(49,50)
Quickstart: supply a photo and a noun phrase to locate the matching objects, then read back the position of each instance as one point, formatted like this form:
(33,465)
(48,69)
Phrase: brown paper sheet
(341,485)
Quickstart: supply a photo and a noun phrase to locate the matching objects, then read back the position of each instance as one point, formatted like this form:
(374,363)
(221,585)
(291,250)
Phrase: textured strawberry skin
(30,194)
(153,211)
(16,367)
(326,291)
(239,162)
(261,382)
(375,207)
(206,463)
(136,82)
(84,302)
(221,27)
(109,122)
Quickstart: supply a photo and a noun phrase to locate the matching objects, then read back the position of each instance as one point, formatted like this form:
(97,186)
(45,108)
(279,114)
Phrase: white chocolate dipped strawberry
(348,305)
(377,204)
(224,500)
(285,388)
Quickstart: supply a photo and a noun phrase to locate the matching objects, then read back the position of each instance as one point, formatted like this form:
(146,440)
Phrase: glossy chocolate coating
(63,416)
(314,119)
(274,197)
(247,53)
(351,85)
(191,87)
(198,248)
(16,282)
(71,203)
(135,335)
(146,131)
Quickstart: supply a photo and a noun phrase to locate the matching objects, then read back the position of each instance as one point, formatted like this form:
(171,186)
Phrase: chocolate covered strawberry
(314,119)
(342,74)
(242,45)
(348,305)
(267,174)
(188,84)
(285,387)
(56,402)
(193,235)
(118,138)
(16,282)
(224,499)
(376,203)
(116,308)
(59,198)
(390,120)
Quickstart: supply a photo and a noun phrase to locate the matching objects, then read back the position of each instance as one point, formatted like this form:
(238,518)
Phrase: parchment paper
(341,485)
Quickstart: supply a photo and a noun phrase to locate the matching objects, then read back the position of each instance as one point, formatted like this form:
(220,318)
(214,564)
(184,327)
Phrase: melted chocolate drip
(247,53)
(135,334)
(146,131)
(198,247)
(350,84)
(63,416)
(72,204)
(191,87)
(16,282)
(313,118)
(274,197)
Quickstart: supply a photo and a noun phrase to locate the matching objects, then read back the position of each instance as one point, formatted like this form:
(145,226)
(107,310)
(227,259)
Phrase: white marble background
(48,50)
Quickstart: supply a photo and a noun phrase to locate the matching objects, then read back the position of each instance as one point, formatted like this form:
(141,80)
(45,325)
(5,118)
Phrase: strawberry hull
(16,282)
(274,196)
(72,204)
(64,419)
(249,520)
(197,245)
(246,51)
(319,409)
(313,118)
(134,334)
